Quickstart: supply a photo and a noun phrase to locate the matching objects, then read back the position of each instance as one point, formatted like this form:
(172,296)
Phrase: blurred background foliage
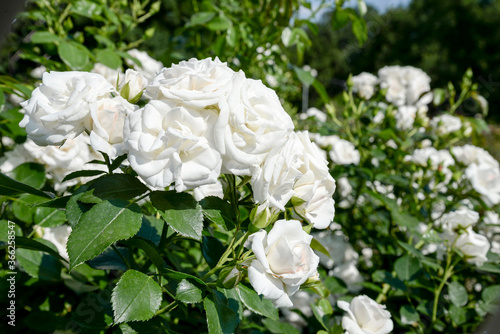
(443,38)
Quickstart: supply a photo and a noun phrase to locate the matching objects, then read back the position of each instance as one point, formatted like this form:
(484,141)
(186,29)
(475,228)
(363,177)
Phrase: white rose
(474,246)
(213,189)
(405,117)
(315,187)
(58,109)
(169,143)
(430,157)
(469,154)
(284,261)
(365,316)
(404,84)
(364,84)
(149,67)
(349,273)
(461,218)
(446,124)
(196,83)
(485,179)
(59,237)
(344,152)
(38,72)
(251,123)
(106,125)
(272,184)
(344,187)
(314,112)
(136,83)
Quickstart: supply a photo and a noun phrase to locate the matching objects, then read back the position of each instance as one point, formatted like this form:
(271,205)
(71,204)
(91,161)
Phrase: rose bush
(194,198)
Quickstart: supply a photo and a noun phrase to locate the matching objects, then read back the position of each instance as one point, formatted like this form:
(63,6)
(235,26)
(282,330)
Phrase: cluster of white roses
(200,119)
(406,87)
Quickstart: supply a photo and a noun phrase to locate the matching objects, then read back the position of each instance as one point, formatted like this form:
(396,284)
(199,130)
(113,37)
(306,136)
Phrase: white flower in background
(446,124)
(194,83)
(474,246)
(404,84)
(323,141)
(314,112)
(339,249)
(405,117)
(169,143)
(59,108)
(379,117)
(213,189)
(271,80)
(106,125)
(315,188)
(349,273)
(461,218)
(149,67)
(344,187)
(469,154)
(364,84)
(365,316)
(485,179)
(59,161)
(430,157)
(251,123)
(284,261)
(491,225)
(59,237)
(344,152)
(302,301)
(38,72)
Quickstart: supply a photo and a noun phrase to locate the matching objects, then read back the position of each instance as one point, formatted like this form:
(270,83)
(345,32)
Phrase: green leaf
(118,186)
(49,217)
(278,327)
(11,187)
(136,297)
(458,314)
(406,267)
(87,8)
(304,76)
(219,23)
(37,245)
(320,315)
(110,260)
(335,285)
(180,211)
(200,18)
(104,224)
(409,315)
(73,54)
(74,208)
(340,18)
(219,212)
(491,294)
(212,249)
(316,245)
(82,173)
(458,294)
(321,90)
(256,303)
(221,319)
(38,265)
(359,30)
(188,292)
(150,249)
(108,57)
(40,37)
